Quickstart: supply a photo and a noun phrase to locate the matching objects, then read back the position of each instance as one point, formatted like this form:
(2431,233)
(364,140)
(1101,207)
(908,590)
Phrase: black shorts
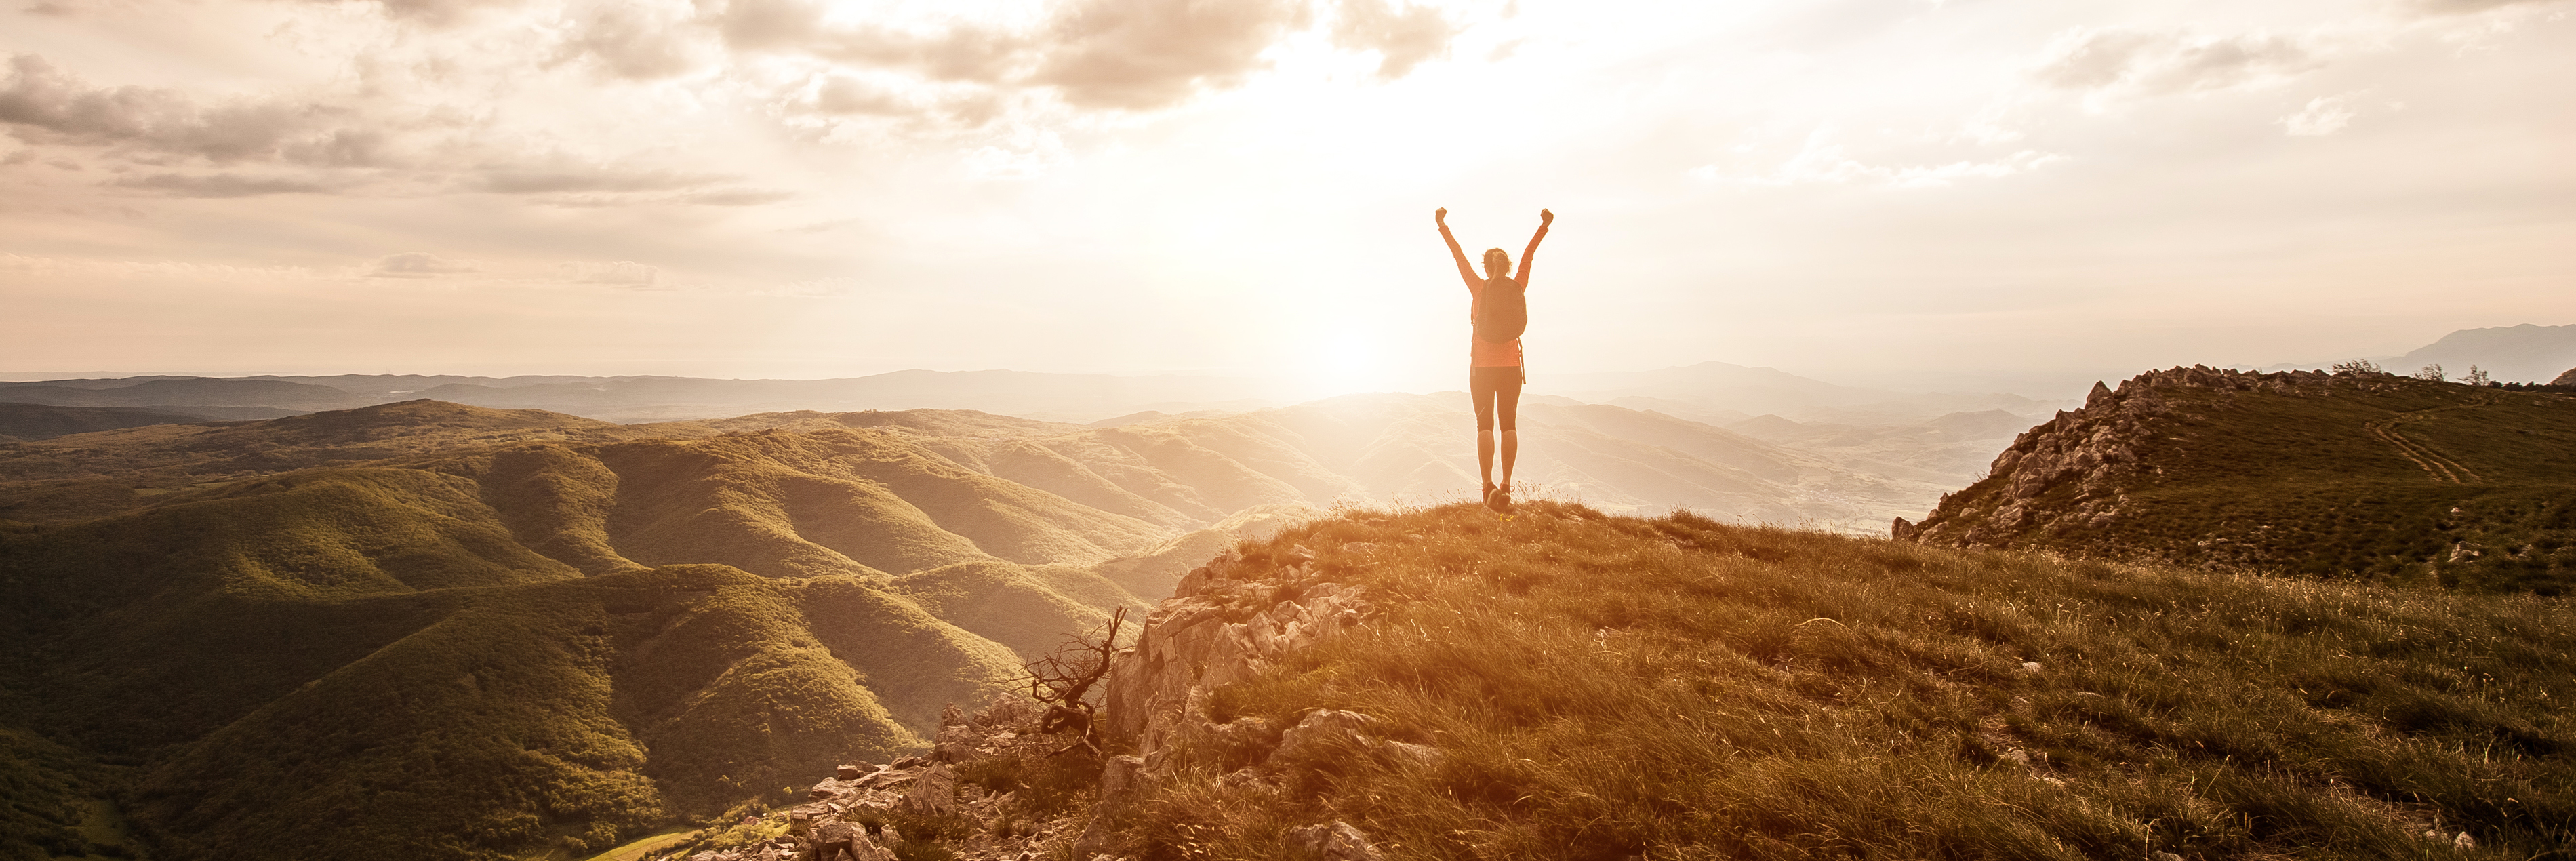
(1496,390)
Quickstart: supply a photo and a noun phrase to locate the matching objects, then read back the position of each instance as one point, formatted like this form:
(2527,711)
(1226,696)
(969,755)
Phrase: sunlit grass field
(1607,687)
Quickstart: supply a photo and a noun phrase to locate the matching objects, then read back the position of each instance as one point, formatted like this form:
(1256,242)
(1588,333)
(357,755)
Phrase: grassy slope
(567,716)
(1608,686)
(330,661)
(45,793)
(2298,483)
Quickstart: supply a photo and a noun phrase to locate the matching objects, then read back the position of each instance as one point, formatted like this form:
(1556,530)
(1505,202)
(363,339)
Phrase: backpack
(1502,313)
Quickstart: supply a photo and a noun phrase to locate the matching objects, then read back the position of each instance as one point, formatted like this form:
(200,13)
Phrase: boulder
(1335,842)
(1323,731)
(934,793)
(1008,712)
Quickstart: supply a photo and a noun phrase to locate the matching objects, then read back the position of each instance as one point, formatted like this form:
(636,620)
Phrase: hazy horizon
(2017,196)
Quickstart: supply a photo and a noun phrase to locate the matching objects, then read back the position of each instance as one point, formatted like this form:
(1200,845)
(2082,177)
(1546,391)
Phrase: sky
(1937,194)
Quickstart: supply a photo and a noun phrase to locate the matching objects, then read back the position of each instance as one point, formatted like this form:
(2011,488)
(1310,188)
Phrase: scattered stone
(2016,756)
(1319,730)
(934,793)
(2167,856)
(1335,842)
(2464,842)
(1245,778)
(848,772)
(1009,712)
(1416,755)
(2030,666)
(1121,780)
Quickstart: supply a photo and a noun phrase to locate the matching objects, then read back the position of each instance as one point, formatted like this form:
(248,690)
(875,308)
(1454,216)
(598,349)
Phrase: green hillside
(1604,687)
(478,634)
(2362,476)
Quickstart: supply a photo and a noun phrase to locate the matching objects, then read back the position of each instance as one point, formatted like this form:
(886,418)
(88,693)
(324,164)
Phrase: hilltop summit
(1567,684)
(2348,474)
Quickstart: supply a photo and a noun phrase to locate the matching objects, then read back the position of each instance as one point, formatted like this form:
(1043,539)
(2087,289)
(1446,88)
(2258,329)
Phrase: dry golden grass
(1608,687)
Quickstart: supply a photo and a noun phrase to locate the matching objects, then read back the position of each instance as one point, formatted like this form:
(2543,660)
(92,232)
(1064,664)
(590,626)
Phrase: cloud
(961,53)
(2119,60)
(637,41)
(1403,38)
(733,197)
(623,273)
(438,13)
(2465,7)
(1145,54)
(572,178)
(1823,163)
(843,94)
(417,264)
(219,185)
(45,105)
(2324,115)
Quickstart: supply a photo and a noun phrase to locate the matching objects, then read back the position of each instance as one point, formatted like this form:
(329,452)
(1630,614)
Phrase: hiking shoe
(1500,500)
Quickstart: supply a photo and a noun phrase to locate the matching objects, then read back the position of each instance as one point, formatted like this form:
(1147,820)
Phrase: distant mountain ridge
(1710,392)
(1721,393)
(650,398)
(2524,353)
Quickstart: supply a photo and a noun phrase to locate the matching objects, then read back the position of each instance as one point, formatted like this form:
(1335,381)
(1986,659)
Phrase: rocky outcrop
(834,822)
(2070,471)
(1225,621)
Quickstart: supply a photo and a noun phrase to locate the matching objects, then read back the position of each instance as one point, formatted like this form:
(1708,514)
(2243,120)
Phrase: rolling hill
(472,632)
(2368,476)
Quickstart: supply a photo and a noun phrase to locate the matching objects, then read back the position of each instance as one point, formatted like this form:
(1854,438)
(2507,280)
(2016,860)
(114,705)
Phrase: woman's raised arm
(1465,272)
(1529,254)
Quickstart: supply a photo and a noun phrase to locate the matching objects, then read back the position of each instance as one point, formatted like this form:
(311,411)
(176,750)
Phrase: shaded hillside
(1565,684)
(182,393)
(37,421)
(2347,475)
(493,722)
(87,475)
(488,633)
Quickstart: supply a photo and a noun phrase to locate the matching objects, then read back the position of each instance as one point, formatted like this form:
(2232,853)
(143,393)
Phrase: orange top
(1483,353)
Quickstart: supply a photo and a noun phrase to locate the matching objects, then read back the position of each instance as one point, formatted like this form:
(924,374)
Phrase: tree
(2475,377)
(2364,367)
(1064,678)
(2432,372)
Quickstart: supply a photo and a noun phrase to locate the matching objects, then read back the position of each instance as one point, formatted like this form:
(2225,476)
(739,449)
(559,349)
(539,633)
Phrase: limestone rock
(934,793)
(1335,842)
(1010,712)
(1321,732)
(1218,629)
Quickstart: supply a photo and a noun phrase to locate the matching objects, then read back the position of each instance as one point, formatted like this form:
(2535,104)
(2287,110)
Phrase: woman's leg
(1507,408)
(1482,389)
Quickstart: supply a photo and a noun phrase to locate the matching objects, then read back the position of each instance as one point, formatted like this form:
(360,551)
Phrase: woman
(1494,371)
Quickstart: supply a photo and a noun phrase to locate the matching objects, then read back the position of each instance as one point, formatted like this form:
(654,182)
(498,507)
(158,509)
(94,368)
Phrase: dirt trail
(2435,464)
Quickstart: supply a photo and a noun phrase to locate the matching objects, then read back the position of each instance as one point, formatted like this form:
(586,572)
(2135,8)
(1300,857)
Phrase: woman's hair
(1496,258)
